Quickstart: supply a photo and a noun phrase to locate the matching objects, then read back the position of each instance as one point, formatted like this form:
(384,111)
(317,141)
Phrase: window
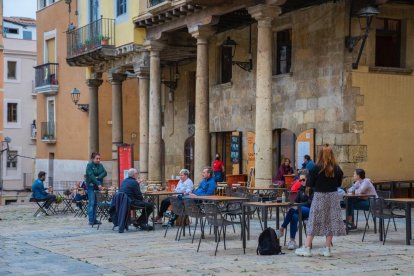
(388,42)
(12,160)
(27,35)
(11,30)
(226,64)
(12,112)
(282,52)
(11,70)
(121,7)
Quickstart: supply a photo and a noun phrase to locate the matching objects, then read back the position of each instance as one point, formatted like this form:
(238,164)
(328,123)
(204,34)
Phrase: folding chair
(41,206)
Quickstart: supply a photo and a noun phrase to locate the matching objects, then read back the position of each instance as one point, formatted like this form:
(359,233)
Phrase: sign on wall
(125,161)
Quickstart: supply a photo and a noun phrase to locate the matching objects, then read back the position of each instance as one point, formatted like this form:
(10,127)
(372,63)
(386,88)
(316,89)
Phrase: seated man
(208,185)
(184,186)
(130,186)
(79,192)
(362,185)
(39,191)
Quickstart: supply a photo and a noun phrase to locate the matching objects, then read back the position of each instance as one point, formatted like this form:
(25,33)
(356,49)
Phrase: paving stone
(63,244)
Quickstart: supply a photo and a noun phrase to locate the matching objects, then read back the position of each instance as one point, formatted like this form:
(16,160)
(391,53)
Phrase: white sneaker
(326,252)
(291,245)
(303,251)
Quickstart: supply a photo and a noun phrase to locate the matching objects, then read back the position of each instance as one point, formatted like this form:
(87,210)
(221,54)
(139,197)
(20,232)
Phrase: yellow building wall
(125,31)
(387,115)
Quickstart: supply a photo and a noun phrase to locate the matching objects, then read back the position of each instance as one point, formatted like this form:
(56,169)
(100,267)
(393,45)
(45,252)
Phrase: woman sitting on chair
(304,195)
(362,185)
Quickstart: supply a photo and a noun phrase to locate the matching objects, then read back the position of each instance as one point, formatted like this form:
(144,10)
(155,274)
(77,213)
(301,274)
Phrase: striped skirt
(325,217)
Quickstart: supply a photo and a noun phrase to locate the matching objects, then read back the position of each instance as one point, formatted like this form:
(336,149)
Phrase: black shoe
(145,227)
(96,222)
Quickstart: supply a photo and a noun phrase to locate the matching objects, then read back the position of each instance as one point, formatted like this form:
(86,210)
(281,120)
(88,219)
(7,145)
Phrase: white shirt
(184,187)
(364,186)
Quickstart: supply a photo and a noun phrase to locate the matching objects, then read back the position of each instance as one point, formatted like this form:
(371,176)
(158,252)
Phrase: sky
(23,8)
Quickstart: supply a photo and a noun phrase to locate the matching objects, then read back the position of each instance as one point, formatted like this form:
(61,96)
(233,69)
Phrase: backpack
(268,243)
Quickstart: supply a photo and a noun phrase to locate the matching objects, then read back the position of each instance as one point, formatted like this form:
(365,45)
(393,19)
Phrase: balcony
(46,79)
(91,44)
(48,132)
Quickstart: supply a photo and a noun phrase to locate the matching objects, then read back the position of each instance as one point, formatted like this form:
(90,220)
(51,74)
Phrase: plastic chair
(215,218)
(380,209)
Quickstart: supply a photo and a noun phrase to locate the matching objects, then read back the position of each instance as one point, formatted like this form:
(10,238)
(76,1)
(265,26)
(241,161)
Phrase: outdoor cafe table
(408,204)
(264,206)
(157,194)
(347,196)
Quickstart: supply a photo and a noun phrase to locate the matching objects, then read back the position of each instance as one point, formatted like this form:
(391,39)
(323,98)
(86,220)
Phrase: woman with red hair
(325,217)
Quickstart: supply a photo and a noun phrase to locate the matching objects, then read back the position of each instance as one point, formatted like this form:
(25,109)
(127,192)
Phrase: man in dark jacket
(130,186)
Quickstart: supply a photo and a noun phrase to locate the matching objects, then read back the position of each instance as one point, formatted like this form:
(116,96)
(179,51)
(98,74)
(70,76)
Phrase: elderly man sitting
(130,186)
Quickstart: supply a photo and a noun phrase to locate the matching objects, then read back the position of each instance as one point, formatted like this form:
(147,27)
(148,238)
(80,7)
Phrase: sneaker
(291,245)
(326,252)
(303,251)
(145,227)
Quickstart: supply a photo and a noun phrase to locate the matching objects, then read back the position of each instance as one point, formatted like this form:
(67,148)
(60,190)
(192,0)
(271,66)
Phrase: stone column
(117,127)
(93,85)
(264,15)
(154,133)
(143,77)
(202,129)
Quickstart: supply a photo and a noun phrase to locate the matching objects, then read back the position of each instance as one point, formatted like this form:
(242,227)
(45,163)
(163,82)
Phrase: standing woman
(325,214)
(218,169)
(95,172)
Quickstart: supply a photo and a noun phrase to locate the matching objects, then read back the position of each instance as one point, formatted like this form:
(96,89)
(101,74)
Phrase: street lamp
(75,95)
(365,14)
(4,147)
(245,65)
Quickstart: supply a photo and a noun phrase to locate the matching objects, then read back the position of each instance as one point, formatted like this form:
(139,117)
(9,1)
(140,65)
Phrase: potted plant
(104,40)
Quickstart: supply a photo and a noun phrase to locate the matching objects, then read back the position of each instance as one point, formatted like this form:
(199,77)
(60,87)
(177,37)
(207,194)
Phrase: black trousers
(165,203)
(148,209)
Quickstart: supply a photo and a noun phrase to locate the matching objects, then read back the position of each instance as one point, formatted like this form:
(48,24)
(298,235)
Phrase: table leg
(408,234)
(244,228)
(277,217)
(381,229)
(264,215)
(300,225)
(346,215)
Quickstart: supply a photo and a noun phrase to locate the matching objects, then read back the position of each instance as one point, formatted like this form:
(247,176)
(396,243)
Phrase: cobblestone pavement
(63,244)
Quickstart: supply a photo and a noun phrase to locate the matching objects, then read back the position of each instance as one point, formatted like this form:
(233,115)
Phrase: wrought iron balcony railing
(46,74)
(152,3)
(98,34)
(48,131)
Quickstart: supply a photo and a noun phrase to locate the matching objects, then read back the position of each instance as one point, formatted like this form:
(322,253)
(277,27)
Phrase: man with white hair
(130,186)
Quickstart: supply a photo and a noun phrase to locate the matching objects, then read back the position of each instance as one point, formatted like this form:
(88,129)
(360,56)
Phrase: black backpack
(268,243)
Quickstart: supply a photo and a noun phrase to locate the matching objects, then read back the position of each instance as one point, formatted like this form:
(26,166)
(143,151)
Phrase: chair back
(384,194)
(192,208)
(177,206)
(378,207)
(213,214)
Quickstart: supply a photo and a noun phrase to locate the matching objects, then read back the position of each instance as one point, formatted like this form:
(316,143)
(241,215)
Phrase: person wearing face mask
(304,195)
(218,169)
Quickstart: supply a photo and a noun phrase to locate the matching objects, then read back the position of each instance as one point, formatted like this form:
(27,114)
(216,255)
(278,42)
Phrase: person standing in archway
(218,169)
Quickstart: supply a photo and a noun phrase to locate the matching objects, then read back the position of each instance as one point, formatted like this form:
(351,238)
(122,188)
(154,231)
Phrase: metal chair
(103,203)
(178,209)
(215,218)
(192,209)
(41,206)
(380,209)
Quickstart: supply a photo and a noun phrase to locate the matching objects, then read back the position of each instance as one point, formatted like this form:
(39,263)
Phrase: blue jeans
(91,204)
(292,217)
(356,204)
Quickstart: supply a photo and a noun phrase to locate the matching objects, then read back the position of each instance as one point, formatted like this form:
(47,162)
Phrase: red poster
(125,161)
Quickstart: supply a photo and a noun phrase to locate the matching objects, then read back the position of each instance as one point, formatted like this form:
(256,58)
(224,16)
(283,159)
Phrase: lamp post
(75,95)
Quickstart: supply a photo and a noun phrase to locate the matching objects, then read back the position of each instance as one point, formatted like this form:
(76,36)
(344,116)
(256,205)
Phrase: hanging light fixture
(245,65)
(75,95)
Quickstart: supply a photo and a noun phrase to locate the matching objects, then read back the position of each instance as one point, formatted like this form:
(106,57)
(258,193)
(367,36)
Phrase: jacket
(38,190)
(119,211)
(95,173)
(130,187)
(206,187)
(301,197)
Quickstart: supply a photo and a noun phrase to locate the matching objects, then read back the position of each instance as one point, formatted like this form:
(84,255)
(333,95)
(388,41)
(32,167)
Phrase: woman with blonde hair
(325,213)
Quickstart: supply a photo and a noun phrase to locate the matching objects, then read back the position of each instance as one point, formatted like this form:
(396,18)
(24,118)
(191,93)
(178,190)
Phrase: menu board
(125,161)
(235,149)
